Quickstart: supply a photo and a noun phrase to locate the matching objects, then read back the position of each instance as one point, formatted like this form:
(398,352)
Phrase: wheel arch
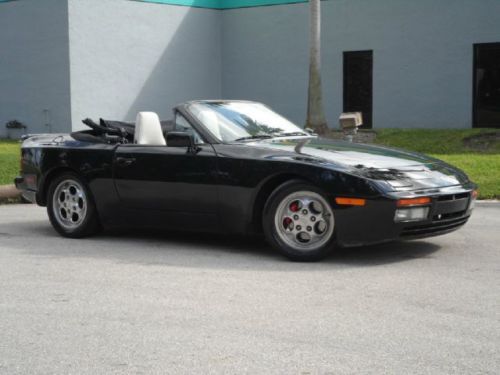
(41,196)
(263,193)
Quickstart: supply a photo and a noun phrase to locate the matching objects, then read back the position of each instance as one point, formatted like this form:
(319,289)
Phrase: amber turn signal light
(350,201)
(475,194)
(414,201)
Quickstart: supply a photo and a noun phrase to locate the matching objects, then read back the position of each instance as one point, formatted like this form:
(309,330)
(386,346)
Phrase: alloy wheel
(304,221)
(69,204)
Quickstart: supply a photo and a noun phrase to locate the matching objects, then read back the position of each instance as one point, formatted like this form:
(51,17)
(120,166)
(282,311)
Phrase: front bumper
(447,213)
(450,209)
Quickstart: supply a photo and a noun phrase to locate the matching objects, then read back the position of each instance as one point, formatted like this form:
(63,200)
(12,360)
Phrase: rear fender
(45,180)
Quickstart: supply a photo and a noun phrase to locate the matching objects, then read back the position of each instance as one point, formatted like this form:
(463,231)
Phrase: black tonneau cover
(111,131)
(166,125)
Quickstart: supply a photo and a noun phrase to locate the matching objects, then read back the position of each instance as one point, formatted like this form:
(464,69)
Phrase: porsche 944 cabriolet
(239,167)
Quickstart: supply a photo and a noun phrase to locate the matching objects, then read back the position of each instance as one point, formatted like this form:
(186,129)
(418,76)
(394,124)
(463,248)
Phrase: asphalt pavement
(168,303)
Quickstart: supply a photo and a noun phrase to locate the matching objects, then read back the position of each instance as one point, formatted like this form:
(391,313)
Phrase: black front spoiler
(374,223)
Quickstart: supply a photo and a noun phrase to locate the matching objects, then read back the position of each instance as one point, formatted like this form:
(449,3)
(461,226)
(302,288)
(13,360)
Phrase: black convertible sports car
(239,167)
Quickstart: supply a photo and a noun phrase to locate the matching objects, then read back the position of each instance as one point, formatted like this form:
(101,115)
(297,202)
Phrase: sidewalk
(9,192)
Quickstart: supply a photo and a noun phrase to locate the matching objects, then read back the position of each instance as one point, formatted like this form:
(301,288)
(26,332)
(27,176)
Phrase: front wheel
(70,207)
(299,222)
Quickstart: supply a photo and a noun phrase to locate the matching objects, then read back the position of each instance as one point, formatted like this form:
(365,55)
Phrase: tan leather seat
(148,130)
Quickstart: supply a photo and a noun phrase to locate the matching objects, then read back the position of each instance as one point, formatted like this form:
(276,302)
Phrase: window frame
(195,131)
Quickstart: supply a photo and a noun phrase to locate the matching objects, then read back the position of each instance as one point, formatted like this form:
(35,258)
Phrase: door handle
(124,162)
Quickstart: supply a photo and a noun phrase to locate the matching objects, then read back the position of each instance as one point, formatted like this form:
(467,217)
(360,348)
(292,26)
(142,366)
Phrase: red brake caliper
(287,221)
(294,206)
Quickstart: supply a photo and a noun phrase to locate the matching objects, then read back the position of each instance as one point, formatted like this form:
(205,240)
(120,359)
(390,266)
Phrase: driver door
(171,183)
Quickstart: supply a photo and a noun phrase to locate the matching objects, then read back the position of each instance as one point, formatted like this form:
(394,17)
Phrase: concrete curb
(9,192)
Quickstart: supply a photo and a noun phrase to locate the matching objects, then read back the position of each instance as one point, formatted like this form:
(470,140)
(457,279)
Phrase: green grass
(435,141)
(483,169)
(482,166)
(9,161)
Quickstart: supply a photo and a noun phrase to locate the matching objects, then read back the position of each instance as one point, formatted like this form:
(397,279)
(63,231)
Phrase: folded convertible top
(166,125)
(111,131)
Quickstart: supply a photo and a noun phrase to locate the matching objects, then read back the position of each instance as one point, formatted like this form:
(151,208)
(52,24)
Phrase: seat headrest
(148,130)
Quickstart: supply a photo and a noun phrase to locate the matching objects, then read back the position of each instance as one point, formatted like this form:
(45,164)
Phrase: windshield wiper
(257,136)
(291,134)
(274,135)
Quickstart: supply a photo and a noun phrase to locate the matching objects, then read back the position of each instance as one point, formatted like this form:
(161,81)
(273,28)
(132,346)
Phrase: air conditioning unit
(350,120)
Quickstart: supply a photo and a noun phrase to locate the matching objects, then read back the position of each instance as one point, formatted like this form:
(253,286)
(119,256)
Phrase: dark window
(183,125)
(486,105)
(358,84)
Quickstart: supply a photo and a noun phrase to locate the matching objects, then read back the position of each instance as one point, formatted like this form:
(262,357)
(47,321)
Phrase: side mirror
(180,139)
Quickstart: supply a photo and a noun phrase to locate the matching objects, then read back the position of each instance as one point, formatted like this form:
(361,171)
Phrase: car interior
(147,130)
(150,130)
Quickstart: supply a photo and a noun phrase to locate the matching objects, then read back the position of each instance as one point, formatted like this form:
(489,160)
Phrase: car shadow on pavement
(390,252)
(183,248)
(370,255)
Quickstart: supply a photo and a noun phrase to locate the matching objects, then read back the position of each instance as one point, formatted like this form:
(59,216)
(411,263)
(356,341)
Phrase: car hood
(399,168)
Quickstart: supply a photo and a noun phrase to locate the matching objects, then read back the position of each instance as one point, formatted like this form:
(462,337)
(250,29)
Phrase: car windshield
(242,121)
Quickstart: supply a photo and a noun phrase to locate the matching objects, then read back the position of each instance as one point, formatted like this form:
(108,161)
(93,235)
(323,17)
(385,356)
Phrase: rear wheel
(299,222)
(71,208)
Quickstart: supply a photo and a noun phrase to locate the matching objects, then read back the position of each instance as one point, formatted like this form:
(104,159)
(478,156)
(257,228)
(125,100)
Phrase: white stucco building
(423,63)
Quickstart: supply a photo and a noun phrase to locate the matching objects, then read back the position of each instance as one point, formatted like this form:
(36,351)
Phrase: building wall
(34,65)
(265,57)
(130,56)
(113,58)
(422,56)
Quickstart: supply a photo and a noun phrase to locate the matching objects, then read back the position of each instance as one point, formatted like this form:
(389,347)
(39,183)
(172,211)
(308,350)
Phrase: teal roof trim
(231,4)
(216,4)
(224,4)
(212,4)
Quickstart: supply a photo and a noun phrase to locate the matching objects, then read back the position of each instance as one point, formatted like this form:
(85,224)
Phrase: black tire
(275,201)
(87,224)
